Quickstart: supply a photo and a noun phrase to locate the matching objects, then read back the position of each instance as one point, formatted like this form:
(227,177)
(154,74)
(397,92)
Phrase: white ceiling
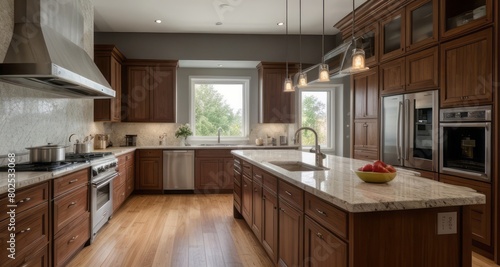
(201,16)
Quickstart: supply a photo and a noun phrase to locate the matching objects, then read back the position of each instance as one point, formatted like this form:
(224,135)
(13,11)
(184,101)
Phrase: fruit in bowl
(378,172)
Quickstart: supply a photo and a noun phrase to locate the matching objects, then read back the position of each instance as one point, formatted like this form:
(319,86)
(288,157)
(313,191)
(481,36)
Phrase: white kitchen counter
(341,187)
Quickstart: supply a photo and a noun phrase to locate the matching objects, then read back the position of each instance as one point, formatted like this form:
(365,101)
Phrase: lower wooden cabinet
(71,240)
(257,209)
(290,244)
(322,248)
(149,170)
(246,199)
(38,258)
(270,223)
(123,185)
(214,171)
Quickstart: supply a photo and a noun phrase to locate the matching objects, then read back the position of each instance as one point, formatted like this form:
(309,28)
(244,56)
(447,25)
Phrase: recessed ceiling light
(158,21)
(280,23)
(218,23)
(220,65)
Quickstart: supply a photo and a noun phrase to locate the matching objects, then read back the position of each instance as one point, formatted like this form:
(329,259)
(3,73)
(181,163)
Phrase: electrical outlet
(447,223)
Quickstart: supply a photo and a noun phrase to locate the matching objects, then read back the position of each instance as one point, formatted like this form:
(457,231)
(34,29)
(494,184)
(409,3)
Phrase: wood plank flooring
(180,230)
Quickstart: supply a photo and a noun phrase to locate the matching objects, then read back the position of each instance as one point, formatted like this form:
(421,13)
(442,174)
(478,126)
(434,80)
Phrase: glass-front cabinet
(392,35)
(369,42)
(459,16)
(421,26)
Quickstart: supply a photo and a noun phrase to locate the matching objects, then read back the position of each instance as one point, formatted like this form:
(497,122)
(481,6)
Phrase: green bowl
(375,177)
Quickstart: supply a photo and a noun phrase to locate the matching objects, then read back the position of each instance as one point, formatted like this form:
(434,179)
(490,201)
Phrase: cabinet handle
(281,209)
(24,231)
(73,181)
(73,239)
(123,193)
(288,193)
(318,234)
(25,264)
(321,212)
(258,176)
(72,204)
(244,185)
(23,200)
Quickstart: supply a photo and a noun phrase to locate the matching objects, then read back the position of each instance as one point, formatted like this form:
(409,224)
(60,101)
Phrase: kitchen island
(332,218)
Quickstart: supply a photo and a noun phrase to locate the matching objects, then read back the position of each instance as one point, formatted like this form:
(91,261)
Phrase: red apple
(367,168)
(360,169)
(379,168)
(390,168)
(379,162)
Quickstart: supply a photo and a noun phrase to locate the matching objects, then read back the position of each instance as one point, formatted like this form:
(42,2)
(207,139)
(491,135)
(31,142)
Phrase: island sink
(297,166)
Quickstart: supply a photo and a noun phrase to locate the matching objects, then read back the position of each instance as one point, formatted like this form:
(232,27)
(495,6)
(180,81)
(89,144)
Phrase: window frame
(329,109)
(245,81)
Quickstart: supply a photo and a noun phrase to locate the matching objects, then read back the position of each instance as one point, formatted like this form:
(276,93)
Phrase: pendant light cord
(286,39)
(353,16)
(300,36)
(323,37)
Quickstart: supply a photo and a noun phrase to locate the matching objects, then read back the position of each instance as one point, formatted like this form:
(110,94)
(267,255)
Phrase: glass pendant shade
(324,73)
(358,59)
(302,79)
(288,86)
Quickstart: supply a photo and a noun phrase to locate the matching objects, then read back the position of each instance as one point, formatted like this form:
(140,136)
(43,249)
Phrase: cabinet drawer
(130,187)
(319,241)
(247,169)
(121,178)
(237,164)
(31,229)
(270,182)
(213,153)
(365,154)
(119,196)
(39,259)
(258,175)
(25,199)
(237,177)
(334,219)
(69,207)
(292,194)
(237,193)
(150,153)
(66,245)
(126,159)
(70,182)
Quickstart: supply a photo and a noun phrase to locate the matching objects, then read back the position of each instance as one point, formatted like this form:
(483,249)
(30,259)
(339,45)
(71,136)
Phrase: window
(315,106)
(218,102)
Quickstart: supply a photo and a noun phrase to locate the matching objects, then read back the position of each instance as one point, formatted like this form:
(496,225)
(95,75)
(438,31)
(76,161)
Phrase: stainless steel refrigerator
(410,134)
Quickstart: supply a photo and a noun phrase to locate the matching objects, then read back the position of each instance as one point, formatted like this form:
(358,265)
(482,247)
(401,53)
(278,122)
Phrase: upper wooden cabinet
(392,35)
(467,69)
(369,42)
(392,76)
(150,91)
(421,24)
(365,89)
(275,106)
(109,61)
(462,16)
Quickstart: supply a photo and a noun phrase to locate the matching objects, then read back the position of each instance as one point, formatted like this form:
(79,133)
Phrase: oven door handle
(101,183)
(398,134)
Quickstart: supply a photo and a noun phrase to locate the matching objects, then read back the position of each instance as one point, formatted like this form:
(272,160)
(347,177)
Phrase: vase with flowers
(184,131)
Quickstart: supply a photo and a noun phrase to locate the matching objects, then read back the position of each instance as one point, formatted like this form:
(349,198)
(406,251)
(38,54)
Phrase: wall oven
(465,147)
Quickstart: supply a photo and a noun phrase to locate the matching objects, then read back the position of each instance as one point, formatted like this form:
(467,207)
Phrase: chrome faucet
(317,150)
(218,135)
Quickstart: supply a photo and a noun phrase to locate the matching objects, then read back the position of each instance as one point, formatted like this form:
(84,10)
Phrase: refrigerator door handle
(398,135)
(407,141)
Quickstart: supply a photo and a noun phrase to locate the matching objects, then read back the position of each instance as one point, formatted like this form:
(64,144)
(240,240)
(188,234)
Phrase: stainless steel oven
(103,173)
(465,142)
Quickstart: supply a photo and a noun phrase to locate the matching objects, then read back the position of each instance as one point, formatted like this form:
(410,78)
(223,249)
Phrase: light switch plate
(447,223)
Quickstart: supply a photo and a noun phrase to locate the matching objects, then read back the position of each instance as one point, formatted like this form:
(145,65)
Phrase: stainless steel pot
(82,148)
(47,153)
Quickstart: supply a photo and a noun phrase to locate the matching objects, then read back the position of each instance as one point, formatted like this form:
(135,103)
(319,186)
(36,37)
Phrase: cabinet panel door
(257,210)
(322,248)
(466,70)
(392,36)
(270,223)
(138,101)
(422,70)
(246,199)
(371,135)
(228,175)
(392,76)
(150,172)
(290,235)
(360,84)
(162,94)
(454,19)
(116,83)
(421,24)
(372,100)
(208,174)
(359,135)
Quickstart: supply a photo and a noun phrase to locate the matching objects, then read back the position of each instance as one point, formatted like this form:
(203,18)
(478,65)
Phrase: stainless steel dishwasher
(178,170)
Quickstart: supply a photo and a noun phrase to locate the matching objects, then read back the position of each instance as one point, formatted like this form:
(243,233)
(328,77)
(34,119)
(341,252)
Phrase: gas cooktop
(84,157)
(38,166)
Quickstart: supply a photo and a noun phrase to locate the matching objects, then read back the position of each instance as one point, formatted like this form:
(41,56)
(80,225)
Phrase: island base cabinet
(290,235)
(322,248)
(409,238)
(270,224)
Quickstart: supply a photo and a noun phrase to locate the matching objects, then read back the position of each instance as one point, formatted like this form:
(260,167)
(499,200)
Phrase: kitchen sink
(297,166)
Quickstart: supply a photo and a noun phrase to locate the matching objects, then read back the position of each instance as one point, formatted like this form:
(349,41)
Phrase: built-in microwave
(465,142)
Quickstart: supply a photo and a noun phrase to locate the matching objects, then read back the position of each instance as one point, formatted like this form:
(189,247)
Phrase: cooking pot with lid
(47,153)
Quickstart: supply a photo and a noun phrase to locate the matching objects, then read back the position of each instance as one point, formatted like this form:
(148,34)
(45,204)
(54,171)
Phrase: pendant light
(324,73)
(287,86)
(358,54)
(302,81)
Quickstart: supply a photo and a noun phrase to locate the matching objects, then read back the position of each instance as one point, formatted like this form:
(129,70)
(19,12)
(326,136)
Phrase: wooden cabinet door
(480,214)
(467,70)
(392,77)
(129,183)
(366,135)
(290,235)
(257,210)
(453,12)
(228,174)
(162,94)
(119,196)
(422,70)
(270,223)
(322,248)
(371,135)
(421,24)
(366,95)
(138,101)
(392,36)
(149,176)
(208,174)
(359,134)
(116,83)
(246,199)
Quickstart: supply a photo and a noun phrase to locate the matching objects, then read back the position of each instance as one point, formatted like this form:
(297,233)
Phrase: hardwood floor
(180,230)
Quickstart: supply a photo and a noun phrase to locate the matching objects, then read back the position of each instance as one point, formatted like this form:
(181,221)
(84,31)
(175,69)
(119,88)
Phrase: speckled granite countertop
(341,187)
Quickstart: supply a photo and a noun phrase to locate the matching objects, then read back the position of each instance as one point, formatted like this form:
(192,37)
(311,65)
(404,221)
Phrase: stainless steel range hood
(45,51)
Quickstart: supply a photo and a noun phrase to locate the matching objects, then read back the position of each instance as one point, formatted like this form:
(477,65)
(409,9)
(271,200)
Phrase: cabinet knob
(318,234)
(321,212)
(73,181)
(73,239)
(25,230)
(24,200)
(288,193)
(72,204)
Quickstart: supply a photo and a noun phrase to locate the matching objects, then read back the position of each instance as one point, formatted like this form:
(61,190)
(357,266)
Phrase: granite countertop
(341,187)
